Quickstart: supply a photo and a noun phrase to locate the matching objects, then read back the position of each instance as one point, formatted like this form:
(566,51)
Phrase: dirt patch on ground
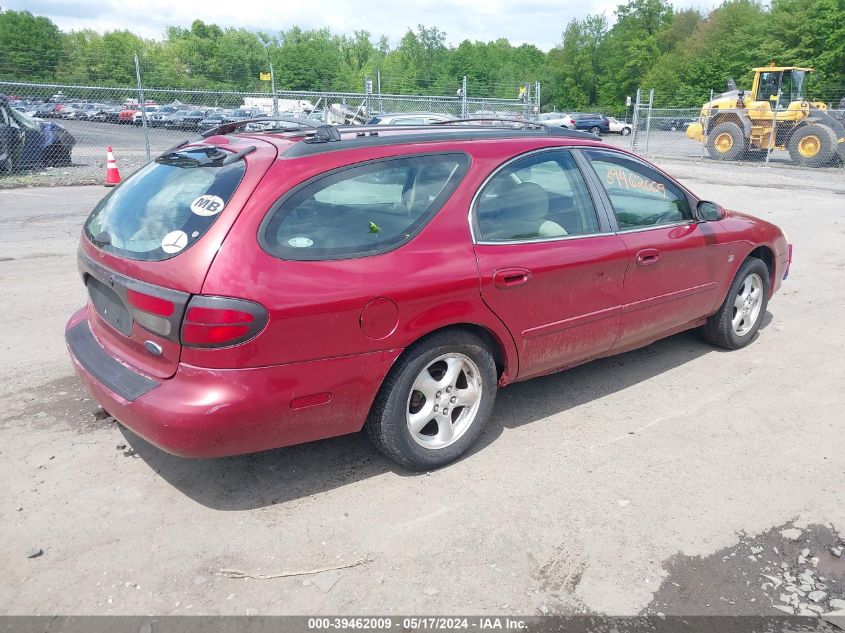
(789,569)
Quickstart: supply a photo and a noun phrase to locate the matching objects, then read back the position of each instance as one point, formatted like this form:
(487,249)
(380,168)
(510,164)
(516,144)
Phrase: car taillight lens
(221,321)
(151,304)
(151,312)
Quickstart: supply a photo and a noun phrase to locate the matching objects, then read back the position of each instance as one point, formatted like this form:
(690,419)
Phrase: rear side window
(542,196)
(362,210)
(164,208)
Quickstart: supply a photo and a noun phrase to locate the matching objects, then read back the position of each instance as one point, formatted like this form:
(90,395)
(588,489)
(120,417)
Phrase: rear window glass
(362,210)
(164,208)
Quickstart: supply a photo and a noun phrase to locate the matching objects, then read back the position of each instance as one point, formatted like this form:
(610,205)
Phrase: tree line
(682,54)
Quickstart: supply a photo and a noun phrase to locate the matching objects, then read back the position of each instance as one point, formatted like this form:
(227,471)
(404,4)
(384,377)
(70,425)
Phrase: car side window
(361,210)
(539,196)
(640,195)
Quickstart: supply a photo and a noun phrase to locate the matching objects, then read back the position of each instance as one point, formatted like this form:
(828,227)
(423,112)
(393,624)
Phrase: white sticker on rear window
(207,205)
(174,241)
(300,242)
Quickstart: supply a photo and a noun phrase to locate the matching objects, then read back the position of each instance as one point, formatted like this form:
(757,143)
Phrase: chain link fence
(799,135)
(58,134)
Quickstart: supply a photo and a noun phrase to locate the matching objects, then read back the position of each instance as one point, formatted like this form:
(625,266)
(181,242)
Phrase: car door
(674,262)
(550,267)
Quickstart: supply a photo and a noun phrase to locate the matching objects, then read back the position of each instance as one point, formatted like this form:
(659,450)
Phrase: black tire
(625,131)
(595,130)
(719,328)
(719,148)
(819,138)
(387,424)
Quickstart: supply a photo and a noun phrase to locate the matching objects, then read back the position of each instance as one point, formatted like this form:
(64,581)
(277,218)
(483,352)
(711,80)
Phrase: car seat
(523,214)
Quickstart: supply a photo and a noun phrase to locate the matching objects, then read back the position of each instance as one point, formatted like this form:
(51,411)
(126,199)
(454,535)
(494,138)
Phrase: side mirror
(707,211)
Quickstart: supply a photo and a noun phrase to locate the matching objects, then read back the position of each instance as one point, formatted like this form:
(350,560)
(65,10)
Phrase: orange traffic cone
(112,174)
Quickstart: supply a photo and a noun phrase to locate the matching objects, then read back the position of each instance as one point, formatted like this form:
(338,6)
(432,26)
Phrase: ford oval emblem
(153,348)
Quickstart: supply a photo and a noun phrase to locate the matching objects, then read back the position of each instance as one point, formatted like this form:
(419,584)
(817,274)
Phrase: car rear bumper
(201,412)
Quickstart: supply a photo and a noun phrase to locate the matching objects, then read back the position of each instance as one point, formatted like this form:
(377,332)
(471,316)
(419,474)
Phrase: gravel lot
(634,484)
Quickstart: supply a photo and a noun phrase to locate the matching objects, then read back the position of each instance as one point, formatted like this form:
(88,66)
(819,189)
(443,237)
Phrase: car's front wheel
(596,130)
(625,131)
(742,312)
(435,401)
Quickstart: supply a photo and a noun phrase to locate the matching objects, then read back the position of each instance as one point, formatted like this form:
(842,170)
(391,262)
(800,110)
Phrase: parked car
(242,114)
(157,117)
(185,120)
(559,119)
(213,120)
(91,111)
(257,290)
(409,118)
(591,122)
(112,114)
(127,114)
(29,144)
(138,117)
(671,123)
(618,127)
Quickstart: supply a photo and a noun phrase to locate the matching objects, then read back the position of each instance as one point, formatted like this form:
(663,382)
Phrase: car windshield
(24,121)
(164,208)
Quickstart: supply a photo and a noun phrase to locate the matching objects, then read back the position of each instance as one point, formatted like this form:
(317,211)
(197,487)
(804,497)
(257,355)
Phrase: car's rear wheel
(436,400)
(741,314)
(595,130)
(625,131)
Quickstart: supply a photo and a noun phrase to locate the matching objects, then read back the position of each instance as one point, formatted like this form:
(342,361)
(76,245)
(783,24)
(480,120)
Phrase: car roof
(401,114)
(316,139)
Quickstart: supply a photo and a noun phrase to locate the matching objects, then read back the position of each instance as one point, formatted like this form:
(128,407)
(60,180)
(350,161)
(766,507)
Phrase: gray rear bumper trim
(126,383)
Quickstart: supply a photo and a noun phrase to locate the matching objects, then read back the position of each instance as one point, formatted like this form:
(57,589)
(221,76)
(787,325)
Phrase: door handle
(511,278)
(648,256)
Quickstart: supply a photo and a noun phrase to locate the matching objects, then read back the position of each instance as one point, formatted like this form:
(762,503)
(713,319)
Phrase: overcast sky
(538,22)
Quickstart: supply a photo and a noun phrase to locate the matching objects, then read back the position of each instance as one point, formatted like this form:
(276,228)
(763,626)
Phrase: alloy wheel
(444,401)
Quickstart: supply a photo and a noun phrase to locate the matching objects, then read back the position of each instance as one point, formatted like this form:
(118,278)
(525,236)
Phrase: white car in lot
(557,119)
(618,127)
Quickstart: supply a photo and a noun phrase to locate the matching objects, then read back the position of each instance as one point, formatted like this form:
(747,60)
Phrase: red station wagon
(252,290)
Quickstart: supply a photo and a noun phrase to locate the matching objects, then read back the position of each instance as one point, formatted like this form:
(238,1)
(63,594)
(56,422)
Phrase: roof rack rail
(368,135)
(324,134)
(233,126)
(515,124)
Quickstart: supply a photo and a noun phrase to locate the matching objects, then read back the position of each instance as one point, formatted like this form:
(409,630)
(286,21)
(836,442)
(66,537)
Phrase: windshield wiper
(103,238)
(214,157)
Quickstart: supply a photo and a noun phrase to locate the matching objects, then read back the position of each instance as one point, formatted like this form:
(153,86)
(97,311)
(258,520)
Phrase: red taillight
(148,303)
(221,321)
(212,316)
(151,312)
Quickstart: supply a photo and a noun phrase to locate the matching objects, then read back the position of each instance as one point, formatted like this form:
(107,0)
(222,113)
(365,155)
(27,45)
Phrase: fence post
(773,133)
(635,120)
(273,87)
(464,113)
(143,104)
(648,120)
(706,130)
(537,115)
(378,82)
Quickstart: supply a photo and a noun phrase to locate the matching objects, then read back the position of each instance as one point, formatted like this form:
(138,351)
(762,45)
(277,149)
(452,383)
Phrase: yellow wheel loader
(776,115)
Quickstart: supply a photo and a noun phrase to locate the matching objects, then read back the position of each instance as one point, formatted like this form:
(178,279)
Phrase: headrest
(526,201)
